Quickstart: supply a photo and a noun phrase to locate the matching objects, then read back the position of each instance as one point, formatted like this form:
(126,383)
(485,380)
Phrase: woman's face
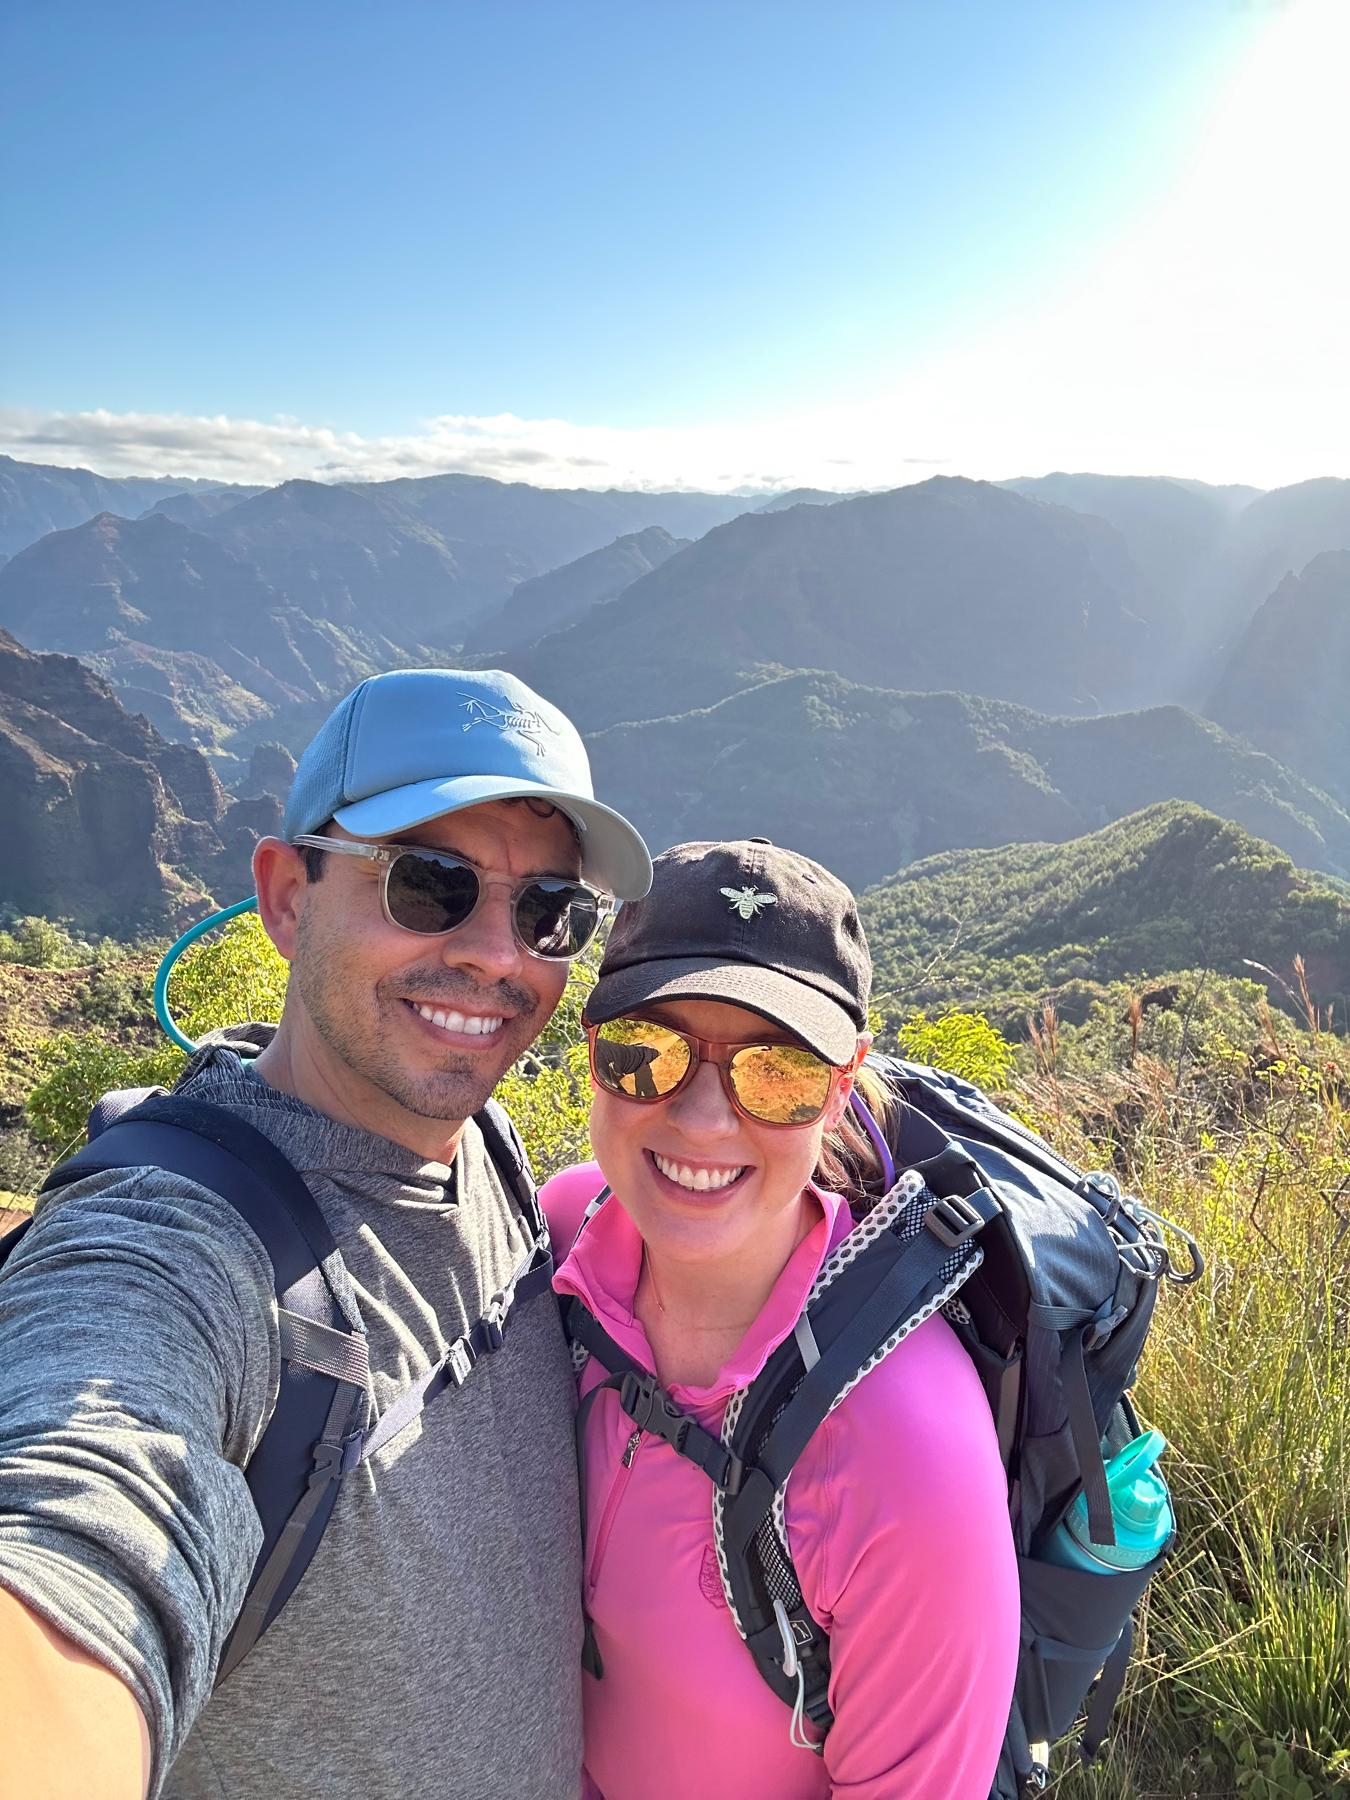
(650,1153)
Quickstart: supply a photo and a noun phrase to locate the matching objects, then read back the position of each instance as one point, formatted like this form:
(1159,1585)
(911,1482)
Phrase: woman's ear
(843,1087)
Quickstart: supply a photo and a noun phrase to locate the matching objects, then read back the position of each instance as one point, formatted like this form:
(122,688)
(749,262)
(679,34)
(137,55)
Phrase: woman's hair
(848,1163)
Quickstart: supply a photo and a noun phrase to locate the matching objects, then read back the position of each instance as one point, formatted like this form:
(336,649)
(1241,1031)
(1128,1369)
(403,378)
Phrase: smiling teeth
(472,1023)
(700,1180)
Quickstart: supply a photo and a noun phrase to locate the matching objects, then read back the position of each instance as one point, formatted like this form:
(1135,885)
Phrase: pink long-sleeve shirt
(898,1524)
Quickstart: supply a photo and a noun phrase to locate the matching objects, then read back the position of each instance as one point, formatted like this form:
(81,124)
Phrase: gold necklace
(661,1305)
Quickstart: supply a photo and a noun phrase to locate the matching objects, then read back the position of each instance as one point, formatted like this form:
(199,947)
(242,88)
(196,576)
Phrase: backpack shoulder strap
(899,1265)
(314,1435)
(503,1144)
(317,1432)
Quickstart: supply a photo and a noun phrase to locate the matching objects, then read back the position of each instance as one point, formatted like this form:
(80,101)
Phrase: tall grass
(1243,1686)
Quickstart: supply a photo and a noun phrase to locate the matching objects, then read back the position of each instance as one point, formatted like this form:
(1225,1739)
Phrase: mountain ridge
(1169,887)
(931,586)
(867,778)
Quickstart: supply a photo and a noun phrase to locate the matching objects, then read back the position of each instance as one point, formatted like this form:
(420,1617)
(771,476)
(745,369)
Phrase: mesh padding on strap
(902,1213)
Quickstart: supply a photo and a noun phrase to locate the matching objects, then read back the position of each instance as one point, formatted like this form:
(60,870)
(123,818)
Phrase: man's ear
(279,877)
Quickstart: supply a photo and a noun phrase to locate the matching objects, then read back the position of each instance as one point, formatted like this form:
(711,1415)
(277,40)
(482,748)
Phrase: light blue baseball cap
(414,744)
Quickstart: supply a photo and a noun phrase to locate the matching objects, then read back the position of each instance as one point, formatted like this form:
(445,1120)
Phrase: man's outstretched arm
(73,1730)
(139,1356)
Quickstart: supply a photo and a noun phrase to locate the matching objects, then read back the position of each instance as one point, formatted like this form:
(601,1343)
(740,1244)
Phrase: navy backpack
(1049,1278)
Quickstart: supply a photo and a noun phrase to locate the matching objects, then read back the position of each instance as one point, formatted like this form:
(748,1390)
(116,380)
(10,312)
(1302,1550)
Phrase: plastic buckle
(1099,1329)
(953,1220)
(730,1483)
(333,1460)
(459,1361)
(636,1394)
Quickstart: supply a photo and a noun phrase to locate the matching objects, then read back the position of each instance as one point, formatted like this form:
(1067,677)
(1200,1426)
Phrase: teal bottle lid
(1140,1507)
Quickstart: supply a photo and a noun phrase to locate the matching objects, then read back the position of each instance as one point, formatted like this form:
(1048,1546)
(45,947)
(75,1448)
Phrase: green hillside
(1168,888)
(868,779)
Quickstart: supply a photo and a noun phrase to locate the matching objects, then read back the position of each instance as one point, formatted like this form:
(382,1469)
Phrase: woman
(727,1028)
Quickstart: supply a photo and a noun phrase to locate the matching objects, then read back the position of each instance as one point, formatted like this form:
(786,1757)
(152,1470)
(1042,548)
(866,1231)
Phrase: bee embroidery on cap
(747,901)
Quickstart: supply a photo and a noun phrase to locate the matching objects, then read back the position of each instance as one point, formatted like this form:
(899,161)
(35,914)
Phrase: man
(432,1646)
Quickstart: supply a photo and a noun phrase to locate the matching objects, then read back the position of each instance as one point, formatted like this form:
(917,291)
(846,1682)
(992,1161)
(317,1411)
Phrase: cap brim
(820,1023)
(613,854)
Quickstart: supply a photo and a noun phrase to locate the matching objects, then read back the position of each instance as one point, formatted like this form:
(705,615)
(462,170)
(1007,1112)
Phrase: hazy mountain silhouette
(359,558)
(1171,528)
(804,497)
(208,503)
(1277,535)
(1286,685)
(547,602)
(946,584)
(146,599)
(36,498)
(540,528)
(546,527)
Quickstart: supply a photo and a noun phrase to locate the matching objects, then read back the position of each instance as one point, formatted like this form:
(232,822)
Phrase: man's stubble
(456,1089)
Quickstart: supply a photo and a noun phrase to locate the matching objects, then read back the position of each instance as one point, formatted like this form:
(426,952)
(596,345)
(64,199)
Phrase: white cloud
(544,452)
(1211,341)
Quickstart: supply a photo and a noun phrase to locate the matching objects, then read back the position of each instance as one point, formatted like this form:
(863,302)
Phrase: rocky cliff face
(103,821)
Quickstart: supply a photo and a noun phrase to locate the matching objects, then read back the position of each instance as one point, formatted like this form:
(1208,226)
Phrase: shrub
(966,1044)
(48,944)
(74,1069)
(234,976)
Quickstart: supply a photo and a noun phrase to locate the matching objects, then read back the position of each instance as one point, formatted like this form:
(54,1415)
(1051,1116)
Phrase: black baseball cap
(750,924)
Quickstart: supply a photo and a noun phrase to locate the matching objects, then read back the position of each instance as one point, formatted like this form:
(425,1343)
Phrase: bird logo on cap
(529,724)
(748,901)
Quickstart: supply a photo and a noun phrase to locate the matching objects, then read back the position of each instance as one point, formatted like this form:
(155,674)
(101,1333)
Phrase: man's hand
(72,1729)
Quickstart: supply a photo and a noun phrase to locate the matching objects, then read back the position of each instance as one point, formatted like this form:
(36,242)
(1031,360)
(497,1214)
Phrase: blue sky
(660,239)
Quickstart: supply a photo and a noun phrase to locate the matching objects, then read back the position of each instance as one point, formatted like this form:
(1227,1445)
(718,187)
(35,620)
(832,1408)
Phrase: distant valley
(867,779)
(875,678)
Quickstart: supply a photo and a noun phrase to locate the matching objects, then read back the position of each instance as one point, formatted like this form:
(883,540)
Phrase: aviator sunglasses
(771,1084)
(431,892)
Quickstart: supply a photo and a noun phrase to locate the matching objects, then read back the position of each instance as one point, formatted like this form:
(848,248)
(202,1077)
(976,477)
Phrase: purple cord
(873,1131)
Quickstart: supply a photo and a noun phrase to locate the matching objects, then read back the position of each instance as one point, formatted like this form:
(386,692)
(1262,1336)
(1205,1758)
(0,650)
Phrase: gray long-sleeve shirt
(432,1647)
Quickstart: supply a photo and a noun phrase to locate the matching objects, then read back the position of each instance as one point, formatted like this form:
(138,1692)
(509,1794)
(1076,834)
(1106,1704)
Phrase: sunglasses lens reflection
(556,918)
(433,894)
(429,893)
(781,1083)
(639,1060)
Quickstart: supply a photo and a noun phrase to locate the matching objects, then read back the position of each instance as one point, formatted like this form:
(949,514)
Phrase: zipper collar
(606,1262)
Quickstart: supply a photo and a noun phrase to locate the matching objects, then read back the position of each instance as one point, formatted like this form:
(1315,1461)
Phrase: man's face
(368,988)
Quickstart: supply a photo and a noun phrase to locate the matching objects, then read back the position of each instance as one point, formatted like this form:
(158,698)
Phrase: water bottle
(1140,1507)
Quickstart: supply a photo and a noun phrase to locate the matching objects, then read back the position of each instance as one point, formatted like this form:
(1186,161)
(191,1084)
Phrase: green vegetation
(1241,1689)
(235,975)
(964,1043)
(53,944)
(1169,888)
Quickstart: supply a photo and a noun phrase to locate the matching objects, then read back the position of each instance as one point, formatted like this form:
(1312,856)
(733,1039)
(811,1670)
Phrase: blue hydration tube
(164,970)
